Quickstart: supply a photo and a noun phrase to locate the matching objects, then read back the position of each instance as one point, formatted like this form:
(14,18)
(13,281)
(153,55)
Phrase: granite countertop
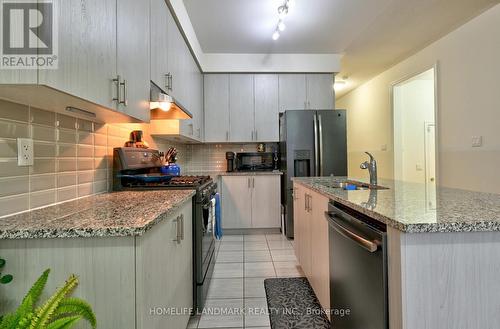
(105,215)
(408,208)
(215,174)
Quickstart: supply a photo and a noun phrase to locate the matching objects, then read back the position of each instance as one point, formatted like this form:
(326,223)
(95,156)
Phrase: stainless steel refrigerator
(312,143)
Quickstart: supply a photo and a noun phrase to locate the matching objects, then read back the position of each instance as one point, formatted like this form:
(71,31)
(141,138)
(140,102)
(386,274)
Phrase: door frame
(437,93)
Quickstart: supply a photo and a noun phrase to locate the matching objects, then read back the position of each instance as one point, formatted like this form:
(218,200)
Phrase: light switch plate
(24,152)
(477,141)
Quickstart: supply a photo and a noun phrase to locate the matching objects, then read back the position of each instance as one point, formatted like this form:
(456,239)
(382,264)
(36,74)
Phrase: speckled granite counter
(409,208)
(104,215)
(217,174)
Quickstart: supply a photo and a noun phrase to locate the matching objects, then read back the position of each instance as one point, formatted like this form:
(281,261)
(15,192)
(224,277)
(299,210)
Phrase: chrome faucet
(372,168)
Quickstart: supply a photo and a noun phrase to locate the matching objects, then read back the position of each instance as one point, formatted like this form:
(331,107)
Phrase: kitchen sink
(357,186)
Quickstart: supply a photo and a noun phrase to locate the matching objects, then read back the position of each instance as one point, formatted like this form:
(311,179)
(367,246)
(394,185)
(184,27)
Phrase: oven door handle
(335,222)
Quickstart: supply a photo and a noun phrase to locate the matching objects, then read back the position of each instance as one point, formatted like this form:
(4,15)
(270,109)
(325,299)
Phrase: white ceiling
(372,35)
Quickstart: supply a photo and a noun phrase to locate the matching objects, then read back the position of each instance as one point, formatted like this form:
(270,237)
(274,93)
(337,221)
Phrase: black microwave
(256,161)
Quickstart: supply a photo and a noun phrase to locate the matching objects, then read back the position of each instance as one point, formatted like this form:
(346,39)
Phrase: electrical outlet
(477,141)
(24,152)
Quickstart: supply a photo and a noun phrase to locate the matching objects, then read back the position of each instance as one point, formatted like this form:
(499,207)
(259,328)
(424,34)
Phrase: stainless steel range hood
(165,107)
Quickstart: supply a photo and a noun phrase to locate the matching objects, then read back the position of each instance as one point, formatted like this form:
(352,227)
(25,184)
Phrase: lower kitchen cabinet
(311,240)
(251,201)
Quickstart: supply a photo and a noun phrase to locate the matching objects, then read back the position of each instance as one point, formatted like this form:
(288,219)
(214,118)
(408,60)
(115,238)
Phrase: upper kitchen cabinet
(241,108)
(266,107)
(306,91)
(216,94)
(292,92)
(320,93)
(159,43)
(133,58)
(177,62)
(87,51)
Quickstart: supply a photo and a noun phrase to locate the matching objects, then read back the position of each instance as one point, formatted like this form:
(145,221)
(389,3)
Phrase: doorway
(414,113)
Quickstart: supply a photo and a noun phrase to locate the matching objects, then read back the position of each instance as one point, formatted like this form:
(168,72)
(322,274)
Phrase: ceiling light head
(276,35)
(282,11)
(281,26)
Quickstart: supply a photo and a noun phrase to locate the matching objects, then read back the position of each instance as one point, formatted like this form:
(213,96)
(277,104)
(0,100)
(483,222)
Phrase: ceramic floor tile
(279,244)
(222,313)
(276,237)
(228,270)
(232,238)
(256,312)
(230,257)
(225,288)
(256,245)
(255,237)
(257,256)
(288,269)
(231,246)
(254,287)
(259,270)
(283,255)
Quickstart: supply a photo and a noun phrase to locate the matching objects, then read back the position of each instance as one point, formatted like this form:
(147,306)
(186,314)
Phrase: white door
(241,105)
(266,107)
(236,202)
(159,43)
(292,92)
(133,57)
(266,201)
(320,95)
(216,107)
(87,51)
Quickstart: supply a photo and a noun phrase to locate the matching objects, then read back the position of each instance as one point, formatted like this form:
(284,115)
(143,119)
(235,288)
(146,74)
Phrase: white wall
(468,104)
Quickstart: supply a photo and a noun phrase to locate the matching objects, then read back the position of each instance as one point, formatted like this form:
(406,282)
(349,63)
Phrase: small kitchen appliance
(255,161)
(230,157)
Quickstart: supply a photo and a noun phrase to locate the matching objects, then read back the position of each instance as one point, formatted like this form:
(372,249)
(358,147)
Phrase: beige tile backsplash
(73,157)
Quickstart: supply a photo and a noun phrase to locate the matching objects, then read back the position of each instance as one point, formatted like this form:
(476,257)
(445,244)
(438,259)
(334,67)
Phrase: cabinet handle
(171,82)
(182,226)
(310,203)
(124,85)
(248,181)
(305,202)
(177,232)
(117,83)
(167,81)
(256,138)
(227,135)
(252,134)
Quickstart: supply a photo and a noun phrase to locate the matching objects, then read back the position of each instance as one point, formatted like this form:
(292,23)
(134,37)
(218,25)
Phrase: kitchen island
(443,249)
(132,252)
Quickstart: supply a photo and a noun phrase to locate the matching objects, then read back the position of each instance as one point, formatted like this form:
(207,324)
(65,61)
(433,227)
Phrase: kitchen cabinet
(216,95)
(311,240)
(159,24)
(306,91)
(292,92)
(176,54)
(236,202)
(320,92)
(251,201)
(241,108)
(133,57)
(87,51)
(266,107)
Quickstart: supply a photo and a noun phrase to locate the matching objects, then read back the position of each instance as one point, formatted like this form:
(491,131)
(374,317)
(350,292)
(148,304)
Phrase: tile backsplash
(73,157)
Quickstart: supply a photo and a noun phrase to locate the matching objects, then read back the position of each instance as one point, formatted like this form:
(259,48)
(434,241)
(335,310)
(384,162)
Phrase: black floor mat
(293,304)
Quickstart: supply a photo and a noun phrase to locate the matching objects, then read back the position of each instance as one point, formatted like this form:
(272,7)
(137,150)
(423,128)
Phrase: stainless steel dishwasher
(358,270)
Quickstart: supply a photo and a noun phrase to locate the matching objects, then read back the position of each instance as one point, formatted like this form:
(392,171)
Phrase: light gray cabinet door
(241,104)
(266,204)
(133,57)
(236,202)
(176,59)
(216,97)
(320,94)
(292,92)
(87,50)
(159,42)
(266,108)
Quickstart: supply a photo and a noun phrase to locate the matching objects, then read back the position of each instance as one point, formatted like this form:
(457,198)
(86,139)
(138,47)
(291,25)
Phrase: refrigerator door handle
(316,149)
(320,132)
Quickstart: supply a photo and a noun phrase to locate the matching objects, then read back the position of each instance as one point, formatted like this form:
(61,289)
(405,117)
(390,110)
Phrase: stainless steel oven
(358,269)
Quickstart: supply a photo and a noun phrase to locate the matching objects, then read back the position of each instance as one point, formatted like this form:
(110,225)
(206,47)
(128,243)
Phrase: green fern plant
(4,279)
(58,312)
